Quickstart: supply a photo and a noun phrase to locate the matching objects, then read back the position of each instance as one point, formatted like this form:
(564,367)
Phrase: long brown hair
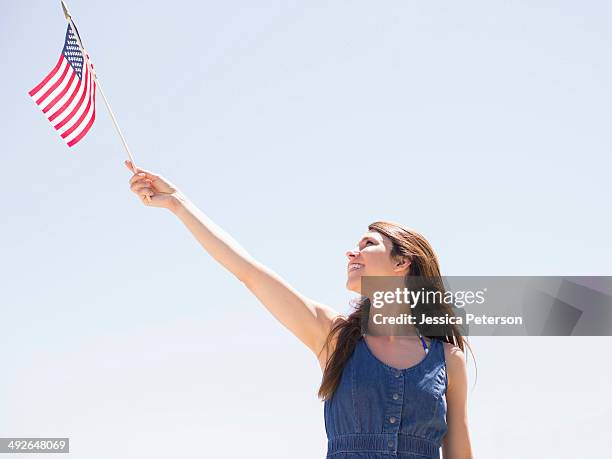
(409,244)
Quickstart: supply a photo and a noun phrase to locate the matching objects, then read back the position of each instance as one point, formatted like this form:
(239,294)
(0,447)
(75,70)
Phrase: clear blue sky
(485,125)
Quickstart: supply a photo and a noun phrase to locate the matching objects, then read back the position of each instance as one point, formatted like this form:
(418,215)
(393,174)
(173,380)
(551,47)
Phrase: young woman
(385,396)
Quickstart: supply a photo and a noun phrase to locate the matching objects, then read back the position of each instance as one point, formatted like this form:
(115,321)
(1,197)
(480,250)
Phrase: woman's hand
(152,189)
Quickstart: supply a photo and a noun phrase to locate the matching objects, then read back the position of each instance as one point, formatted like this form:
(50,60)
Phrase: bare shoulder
(455,363)
(451,351)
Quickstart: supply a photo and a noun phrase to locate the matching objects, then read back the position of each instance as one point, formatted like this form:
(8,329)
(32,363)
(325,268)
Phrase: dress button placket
(394,412)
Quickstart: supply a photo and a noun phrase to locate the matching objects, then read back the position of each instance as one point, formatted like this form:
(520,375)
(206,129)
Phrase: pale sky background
(485,125)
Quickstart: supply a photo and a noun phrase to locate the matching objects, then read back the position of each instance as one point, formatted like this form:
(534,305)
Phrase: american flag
(67,95)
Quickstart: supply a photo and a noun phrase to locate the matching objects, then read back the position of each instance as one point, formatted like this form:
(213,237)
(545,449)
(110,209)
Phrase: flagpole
(95,75)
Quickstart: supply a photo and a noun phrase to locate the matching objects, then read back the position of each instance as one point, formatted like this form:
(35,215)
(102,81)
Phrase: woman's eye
(365,244)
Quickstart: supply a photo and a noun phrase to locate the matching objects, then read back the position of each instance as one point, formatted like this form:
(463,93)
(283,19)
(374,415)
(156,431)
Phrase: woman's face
(372,257)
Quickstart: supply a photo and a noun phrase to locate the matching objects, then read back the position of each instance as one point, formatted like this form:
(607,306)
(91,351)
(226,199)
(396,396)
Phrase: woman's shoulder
(453,353)
(450,348)
(455,361)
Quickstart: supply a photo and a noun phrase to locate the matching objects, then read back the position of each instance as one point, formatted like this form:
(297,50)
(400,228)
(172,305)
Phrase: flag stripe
(38,96)
(81,118)
(84,120)
(61,94)
(78,116)
(48,77)
(85,89)
(87,126)
(68,102)
(62,101)
(54,86)
(65,82)
(85,131)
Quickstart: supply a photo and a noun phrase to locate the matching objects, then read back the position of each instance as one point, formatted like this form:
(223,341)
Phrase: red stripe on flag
(86,129)
(67,103)
(54,86)
(61,94)
(80,120)
(74,110)
(48,77)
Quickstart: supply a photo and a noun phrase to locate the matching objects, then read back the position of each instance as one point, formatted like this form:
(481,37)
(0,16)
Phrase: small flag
(67,95)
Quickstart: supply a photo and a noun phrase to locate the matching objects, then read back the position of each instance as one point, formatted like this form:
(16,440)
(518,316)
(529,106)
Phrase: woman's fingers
(147,173)
(130,166)
(145,192)
(139,184)
(142,188)
(158,182)
(140,176)
(152,189)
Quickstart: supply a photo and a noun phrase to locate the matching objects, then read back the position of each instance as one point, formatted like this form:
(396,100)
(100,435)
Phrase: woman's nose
(350,254)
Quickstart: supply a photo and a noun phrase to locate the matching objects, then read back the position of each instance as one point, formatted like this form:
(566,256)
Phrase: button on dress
(380,412)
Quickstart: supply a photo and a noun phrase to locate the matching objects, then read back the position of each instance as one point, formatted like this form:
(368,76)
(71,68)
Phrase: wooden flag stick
(99,86)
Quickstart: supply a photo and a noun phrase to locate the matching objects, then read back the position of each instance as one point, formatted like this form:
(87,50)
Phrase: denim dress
(380,412)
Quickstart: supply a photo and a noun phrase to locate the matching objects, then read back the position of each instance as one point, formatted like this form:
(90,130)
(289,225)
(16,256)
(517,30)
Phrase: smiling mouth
(354,266)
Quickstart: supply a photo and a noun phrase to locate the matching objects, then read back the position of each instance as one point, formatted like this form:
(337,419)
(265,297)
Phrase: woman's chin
(354,285)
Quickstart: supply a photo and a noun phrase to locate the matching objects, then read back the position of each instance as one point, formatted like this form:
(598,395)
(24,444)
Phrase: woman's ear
(401,264)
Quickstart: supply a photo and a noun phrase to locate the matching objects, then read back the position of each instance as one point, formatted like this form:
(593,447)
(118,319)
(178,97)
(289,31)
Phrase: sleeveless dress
(380,412)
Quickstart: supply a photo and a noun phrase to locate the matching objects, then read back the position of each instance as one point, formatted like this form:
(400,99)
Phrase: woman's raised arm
(307,319)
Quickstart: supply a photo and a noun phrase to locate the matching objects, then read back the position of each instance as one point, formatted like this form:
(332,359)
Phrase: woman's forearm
(219,244)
